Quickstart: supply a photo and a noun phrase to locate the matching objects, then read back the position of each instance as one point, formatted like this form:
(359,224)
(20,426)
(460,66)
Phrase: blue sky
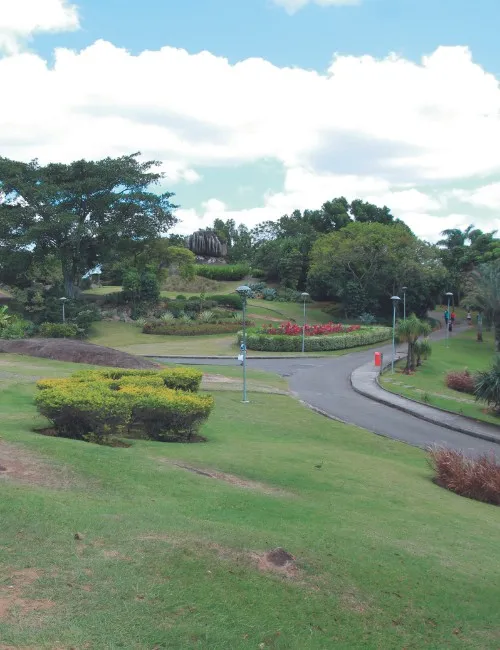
(248,139)
(258,28)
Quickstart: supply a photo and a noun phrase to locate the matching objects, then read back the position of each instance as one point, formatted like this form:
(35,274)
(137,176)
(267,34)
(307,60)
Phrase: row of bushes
(190,329)
(280,343)
(96,405)
(179,304)
(223,272)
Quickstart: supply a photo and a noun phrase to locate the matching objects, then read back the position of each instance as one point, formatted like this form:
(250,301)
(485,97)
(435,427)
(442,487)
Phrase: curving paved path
(324,383)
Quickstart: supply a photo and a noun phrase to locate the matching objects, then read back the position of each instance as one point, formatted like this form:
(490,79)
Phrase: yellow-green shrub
(187,379)
(94,404)
(167,415)
(79,410)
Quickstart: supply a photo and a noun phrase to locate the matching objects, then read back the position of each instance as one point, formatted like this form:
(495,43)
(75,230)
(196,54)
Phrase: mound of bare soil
(75,351)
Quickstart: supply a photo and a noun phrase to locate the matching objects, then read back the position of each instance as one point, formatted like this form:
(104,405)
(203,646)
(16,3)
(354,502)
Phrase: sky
(256,108)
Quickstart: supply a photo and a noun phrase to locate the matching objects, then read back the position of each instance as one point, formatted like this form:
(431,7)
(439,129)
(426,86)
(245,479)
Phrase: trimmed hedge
(280,343)
(60,331)
(187,379)
(167,415)
(89,411)
(186,329)
(232,300)
(95,405)
(222,271)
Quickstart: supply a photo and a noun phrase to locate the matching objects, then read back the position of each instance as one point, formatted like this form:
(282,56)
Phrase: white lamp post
(244,292)
(304,297)
(404,302)
(63,300)
(449,295)
(395,301)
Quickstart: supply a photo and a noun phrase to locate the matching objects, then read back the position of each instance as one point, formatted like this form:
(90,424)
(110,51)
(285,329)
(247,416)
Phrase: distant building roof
(5,296)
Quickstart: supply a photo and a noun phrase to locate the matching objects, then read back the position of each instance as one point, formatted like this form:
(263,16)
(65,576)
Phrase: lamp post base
(245,401)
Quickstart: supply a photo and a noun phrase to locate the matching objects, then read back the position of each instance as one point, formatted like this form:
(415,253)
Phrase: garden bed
(341,339)
(188,329)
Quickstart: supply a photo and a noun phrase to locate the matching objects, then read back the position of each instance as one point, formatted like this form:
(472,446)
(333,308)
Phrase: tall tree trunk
(69,277)
(497,332)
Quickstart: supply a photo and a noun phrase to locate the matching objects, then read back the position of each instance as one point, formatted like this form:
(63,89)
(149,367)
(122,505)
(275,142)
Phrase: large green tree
(484,294)
(364,264)
(464,250)
(79,211)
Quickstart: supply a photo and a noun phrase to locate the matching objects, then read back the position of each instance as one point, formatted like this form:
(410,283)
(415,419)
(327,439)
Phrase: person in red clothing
(453,316)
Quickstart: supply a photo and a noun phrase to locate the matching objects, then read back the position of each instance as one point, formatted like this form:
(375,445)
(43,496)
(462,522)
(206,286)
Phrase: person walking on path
(453,316)
(446,317)
(469,318)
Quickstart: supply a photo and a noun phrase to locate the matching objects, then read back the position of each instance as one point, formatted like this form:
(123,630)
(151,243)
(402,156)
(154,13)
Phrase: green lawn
(170,559)
(129,338)
(428,383)
(266,310)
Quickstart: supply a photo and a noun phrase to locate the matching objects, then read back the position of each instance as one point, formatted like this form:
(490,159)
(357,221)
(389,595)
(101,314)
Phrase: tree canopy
(78,212)
(364,264)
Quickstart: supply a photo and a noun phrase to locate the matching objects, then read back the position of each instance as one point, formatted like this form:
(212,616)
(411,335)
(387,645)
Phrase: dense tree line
(59,221)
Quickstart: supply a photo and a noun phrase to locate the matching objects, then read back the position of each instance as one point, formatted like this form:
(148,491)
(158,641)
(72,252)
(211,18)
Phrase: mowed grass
(128,337)
(168,558)
(428,385)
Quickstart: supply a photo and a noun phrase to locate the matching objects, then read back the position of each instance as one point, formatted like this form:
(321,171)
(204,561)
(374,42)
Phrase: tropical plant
(5,317)
(423,350)
(487,385)
(206,316)
(409,331)
(484,294)
(367,319)
(167,317)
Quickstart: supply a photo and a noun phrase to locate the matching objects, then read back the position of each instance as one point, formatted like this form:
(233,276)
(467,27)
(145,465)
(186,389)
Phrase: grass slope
(385,558)
(428,385)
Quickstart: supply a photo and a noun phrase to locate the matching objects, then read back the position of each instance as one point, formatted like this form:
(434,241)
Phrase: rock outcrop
(205,243)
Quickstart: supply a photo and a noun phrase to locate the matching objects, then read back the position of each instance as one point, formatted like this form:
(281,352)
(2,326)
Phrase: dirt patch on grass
(233,480)
(75,351)
(21,466)
(217,379)
(277,561)
(13,604)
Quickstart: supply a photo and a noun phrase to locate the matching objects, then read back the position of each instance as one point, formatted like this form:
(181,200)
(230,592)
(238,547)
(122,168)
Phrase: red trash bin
(378,359)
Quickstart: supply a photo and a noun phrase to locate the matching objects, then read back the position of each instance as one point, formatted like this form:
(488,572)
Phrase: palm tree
(4,316)
(409,332)
(484,294)
(487,385)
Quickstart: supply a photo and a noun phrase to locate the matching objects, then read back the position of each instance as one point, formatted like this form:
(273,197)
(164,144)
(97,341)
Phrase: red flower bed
(292,329)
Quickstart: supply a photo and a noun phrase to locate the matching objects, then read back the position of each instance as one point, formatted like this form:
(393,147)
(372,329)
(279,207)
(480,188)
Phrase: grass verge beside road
(428,385)
(169,558)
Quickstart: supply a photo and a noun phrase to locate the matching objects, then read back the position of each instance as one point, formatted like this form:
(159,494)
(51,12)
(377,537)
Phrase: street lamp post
(63,300)
(404,302)
(395,301)
(244,292)
(304,297)
(449,296)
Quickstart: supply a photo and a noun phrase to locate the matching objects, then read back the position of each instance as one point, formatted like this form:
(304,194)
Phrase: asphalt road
(324,383)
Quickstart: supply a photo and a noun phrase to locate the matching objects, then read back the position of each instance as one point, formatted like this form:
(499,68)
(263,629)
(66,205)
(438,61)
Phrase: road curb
(407,408)
(234,358)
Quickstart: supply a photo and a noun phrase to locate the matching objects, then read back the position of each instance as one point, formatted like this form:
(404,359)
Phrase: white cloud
(20,19)
(292,6)
(368,128)
(487,196)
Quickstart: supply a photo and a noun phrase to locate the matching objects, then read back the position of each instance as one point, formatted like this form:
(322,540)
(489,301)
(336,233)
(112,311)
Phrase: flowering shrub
(258,340)
(292,329)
